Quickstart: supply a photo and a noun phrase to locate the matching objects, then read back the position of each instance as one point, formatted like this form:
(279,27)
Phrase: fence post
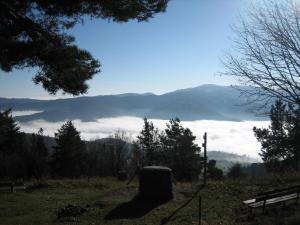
(12,186)
(200,209)
(264,206)
(204,145)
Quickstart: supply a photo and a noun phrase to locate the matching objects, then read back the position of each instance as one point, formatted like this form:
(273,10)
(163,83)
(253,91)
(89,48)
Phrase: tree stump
(155,183)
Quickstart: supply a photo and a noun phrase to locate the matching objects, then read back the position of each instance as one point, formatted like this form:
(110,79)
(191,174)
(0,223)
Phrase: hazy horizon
(56,97)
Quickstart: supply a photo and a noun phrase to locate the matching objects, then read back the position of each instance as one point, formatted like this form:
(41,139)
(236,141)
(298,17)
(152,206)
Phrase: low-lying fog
(24,112)
(228,136)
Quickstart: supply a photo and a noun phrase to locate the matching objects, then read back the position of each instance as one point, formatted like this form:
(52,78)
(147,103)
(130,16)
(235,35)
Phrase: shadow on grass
(135,208)
(166,220)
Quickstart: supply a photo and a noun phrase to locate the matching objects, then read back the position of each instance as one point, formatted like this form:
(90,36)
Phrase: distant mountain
(231,157)
(225,160)
(210,102)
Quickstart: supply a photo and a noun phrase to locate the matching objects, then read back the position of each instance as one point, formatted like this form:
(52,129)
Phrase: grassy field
(109,201)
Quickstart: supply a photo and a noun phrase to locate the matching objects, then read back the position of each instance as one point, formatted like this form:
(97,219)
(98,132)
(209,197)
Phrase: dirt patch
(70,211)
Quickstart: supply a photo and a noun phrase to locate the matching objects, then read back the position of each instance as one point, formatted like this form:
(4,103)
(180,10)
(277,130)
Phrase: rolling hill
(209,102)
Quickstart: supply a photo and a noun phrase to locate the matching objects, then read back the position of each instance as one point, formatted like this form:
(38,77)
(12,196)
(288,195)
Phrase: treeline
(27,155)
(174,147)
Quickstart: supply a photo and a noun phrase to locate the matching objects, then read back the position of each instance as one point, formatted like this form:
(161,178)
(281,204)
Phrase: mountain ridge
(211,102)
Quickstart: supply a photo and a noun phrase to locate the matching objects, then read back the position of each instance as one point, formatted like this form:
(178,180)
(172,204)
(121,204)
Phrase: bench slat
(278,194)
(271,197)
(273,200)
(250,201)
(11,186)
(292,188)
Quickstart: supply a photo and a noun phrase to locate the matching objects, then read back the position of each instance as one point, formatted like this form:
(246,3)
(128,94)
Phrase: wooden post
(12,186)
(264,206)
(200,209)
(204,145)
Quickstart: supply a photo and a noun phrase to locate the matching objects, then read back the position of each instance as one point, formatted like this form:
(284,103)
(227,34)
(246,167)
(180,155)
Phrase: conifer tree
(149,142)
(10,145)
(69,155)
(38,155)
(9,130)
(280,141)
(183,154)
(273,139)
(293,139)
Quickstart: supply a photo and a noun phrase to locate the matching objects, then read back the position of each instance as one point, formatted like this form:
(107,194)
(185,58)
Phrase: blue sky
(177,49)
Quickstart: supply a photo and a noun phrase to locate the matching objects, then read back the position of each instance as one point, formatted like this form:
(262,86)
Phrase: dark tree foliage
(256,170)
(9,131)
(280,142)
(183,155)
(70,153)
(33,34)
(236,171)
(37,155)
(273,139)
(26,155)
(149,142)
(119,151)
(174,148)
(93,155)
(10,143)
(110,156)
(293,139)
(213,171)
(98,159)
(16,159)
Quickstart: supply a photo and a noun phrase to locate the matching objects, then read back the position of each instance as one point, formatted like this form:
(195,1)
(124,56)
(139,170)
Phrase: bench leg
(264,206)
(250,212)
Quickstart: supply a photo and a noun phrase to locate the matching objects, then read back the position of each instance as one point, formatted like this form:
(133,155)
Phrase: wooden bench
(12,186)
(272,197)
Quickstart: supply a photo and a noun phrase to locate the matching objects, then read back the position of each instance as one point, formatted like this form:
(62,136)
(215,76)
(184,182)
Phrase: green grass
(221,204)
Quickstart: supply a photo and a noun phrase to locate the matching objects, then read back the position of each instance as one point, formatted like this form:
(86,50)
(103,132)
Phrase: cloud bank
(228,136)
(24,112)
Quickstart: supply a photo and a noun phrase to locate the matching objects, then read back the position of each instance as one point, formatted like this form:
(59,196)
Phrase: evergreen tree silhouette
(69,154)
(183,153)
